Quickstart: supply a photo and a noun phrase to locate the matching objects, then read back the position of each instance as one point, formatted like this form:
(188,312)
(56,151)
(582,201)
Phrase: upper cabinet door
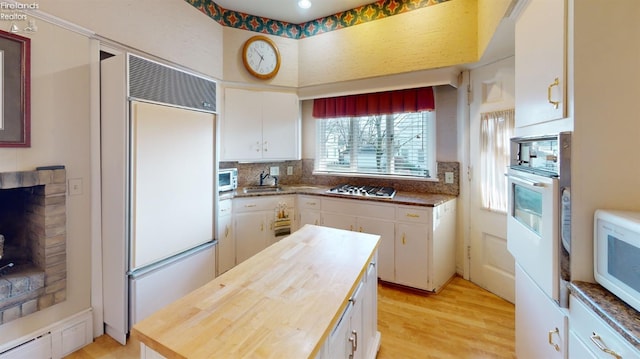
(280,126)
(241,126)
(540,48)
(260,126)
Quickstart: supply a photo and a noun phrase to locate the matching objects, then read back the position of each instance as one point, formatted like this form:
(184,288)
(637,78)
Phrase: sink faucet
(263,176)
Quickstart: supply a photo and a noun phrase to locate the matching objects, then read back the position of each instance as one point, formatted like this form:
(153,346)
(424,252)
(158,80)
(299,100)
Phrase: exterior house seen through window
(399,144)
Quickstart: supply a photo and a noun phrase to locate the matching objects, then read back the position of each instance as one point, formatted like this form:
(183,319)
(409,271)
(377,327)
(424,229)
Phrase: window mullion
(353,142)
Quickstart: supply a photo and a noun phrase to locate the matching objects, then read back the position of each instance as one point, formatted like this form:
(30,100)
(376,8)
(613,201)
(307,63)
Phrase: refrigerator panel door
(155,289)
(172,182)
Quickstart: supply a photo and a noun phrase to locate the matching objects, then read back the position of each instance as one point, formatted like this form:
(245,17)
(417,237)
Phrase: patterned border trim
(366,13)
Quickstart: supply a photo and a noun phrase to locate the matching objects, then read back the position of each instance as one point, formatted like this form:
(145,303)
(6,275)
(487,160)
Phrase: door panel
(491,264)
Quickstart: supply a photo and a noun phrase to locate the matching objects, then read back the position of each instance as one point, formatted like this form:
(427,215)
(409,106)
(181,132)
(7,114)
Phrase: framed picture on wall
(15,90)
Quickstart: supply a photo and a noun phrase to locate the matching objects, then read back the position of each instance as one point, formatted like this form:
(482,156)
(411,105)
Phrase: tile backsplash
(302,173)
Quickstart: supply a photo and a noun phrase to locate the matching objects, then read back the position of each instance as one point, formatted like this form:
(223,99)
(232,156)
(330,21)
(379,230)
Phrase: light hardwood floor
(462,321)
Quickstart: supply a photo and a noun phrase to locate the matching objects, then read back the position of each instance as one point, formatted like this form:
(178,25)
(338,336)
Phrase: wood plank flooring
(463,321)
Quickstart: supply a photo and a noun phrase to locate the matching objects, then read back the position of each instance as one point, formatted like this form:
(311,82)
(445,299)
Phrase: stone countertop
(406,198)
(281,303)
(619,315)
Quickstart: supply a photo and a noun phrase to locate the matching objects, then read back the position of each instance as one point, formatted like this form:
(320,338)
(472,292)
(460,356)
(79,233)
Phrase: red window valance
(377,103)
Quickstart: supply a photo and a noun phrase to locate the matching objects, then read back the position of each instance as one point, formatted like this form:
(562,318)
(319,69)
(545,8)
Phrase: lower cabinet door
(541,325)
(412,255)
(339,344)
(250,234)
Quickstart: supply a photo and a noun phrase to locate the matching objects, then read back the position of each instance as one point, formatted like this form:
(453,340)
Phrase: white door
(491,265)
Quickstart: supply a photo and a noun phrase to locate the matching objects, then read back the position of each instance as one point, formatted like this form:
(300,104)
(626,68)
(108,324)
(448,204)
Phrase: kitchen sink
(262,189)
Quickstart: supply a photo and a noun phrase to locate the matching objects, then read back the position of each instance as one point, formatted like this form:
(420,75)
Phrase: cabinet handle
(413,215)
(311,203)
(595,338)
(226,231)
(351,227)
(404,241)
(554,103)
(361,230)
(551,333)
(354,342)
(266,146)
(249,205)
(315,222)
(261,226)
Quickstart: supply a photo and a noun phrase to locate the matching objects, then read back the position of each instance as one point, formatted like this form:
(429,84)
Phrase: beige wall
(431,37)
(490,13)
(60,135)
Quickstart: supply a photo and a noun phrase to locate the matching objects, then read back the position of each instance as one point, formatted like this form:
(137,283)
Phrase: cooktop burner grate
(363,191)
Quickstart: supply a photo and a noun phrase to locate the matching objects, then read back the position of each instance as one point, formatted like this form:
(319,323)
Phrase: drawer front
(593,331)
(309,202)
(266,203)
(414,214)
(224,207)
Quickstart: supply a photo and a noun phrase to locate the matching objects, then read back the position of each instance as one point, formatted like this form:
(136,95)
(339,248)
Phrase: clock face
(261,57)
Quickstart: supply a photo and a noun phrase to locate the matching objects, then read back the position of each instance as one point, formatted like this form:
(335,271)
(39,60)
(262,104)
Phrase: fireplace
(33,260)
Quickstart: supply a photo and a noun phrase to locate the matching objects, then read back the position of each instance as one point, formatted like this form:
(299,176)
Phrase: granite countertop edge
(402,198)
(624,319)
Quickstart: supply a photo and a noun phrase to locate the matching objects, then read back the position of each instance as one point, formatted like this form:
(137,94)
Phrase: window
(496,130)
(401,144)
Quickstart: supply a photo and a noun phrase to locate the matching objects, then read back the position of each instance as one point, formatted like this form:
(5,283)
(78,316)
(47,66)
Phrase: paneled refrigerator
(158,187)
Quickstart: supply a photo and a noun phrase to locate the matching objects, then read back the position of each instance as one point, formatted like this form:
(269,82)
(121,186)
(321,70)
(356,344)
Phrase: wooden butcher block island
(310,295)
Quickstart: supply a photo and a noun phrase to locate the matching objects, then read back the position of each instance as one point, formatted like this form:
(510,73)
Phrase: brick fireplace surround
(28,287)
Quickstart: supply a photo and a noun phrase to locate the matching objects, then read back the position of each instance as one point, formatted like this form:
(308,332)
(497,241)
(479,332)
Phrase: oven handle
(526,180)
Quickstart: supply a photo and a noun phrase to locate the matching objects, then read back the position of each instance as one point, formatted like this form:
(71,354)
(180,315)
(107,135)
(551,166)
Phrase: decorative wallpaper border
(366,13)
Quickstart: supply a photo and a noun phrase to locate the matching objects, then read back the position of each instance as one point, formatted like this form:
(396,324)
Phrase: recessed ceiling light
(305,4)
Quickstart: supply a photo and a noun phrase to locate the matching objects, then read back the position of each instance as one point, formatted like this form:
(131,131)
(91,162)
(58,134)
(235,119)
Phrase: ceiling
(288,10)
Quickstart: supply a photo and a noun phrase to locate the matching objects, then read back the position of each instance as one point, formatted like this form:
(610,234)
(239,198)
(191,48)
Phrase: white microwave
(227,179)
(617,254)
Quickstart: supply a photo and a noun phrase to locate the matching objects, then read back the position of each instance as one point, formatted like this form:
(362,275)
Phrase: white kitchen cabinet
(260,126)
(425,246)
(592,337)
(226,249)
(541,325)
(417,244)
(368,217)
(254,219)
(540,63)
(308,210)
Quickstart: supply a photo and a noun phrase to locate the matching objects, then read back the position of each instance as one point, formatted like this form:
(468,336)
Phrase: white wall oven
(539,213)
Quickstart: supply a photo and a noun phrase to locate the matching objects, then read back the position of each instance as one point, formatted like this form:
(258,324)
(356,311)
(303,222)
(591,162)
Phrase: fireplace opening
(16,253)
(33,268)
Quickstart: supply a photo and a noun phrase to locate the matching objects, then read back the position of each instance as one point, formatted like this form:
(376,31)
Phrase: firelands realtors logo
(10,11)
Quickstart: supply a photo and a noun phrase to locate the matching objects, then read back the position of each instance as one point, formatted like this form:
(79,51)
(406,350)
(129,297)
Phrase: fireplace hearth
(33,267)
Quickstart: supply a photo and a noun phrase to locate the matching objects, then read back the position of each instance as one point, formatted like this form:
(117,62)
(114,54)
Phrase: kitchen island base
(310,295)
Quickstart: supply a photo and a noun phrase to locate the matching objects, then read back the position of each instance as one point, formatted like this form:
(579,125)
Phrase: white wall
(60,135)
(170,29)
(605,164)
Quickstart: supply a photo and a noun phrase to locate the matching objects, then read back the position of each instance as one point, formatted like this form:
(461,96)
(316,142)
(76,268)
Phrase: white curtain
(496,130)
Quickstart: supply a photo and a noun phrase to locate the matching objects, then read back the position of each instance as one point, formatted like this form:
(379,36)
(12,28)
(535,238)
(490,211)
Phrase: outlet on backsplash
(274,171)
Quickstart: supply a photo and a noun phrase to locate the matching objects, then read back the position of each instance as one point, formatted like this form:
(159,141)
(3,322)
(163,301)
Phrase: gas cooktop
(363,191)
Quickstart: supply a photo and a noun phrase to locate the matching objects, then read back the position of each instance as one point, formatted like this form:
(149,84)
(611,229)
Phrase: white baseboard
(54,341)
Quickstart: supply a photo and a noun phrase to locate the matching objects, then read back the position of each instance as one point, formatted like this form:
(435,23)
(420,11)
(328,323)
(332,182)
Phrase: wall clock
(261,57)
